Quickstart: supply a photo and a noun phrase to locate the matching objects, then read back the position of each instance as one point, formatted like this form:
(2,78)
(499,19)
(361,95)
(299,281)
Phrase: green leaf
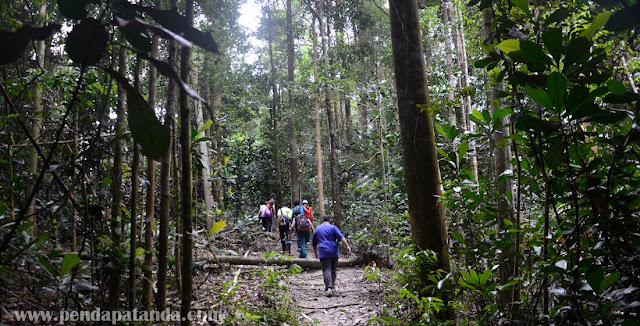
(484,62)
(510,45)
(145,128)
(441,130)
(525,123)
(596,24)
(616,87)
(577,49)
(205,126)
(556,87)
(474,279)
(554,156)
(87,41)
(217,226)
(608,281)
(136,34)
(166,69)
(595,278)
(539,96)
(533,52)
(485,276)
(624,19)
(15,43)
(557,16)
(462,150)
(553,41)
(507,222)
(73,9)
(68,262)
(42,261)
(459,237)
(522,4)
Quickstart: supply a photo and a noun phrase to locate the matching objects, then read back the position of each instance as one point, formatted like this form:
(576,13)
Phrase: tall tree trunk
(316,109)
(151,191)
(116,177)
(186,187)
(421,171)
(293,130)
(274,105)
(464,83)
(165,185)
(36,126)
(449,67)
(216,103)
(502,156)
(133,243)
(205,172)
(334,167)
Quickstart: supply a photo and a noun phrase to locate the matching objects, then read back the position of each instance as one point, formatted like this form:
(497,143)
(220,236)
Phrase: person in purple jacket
(325,246)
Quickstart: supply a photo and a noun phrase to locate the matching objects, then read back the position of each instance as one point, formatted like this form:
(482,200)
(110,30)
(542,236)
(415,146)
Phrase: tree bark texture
(334,167)
(186,204)
(421,171)
(274,105)
(116,183)
(293,138)
(316,109)
(165,185)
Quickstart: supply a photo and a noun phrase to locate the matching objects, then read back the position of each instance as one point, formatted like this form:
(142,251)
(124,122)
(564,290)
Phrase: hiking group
(324,238)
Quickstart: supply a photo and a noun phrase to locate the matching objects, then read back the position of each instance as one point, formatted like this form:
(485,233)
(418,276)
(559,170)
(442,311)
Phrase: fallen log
(302,262)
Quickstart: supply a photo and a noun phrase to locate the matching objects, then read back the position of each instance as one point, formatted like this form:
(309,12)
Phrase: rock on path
(350,305)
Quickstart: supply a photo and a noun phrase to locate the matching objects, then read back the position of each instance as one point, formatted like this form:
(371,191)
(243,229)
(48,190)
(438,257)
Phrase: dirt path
(351,305)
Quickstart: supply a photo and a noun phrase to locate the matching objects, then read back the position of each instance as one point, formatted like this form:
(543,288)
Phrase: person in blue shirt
(325,247)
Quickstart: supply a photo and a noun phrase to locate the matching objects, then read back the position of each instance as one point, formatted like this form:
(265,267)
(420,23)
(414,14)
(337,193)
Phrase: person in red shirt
(308,210)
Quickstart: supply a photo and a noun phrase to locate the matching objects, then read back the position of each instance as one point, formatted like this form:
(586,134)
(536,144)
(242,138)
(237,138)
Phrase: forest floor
(354,303)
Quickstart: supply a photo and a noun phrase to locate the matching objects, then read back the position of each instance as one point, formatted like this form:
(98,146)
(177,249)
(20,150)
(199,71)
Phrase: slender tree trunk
(165,185)
(216,103)
(334,167)
(134,226)
(274,105)
(293,130)
(151,193)
(185,144)
(316,109)
(205,172)
(464,84)
(449,67)
(421,171)
(116,177)
(36,126)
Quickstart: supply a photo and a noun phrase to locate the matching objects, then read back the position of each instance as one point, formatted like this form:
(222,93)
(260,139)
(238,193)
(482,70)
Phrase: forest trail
(350,305)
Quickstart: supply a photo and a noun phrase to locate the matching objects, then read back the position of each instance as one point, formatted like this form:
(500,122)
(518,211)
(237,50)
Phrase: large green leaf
(532,52)
(556,87)
(217,226)
(624,19)
(74,9)
(510,45)
(577,51)
(15,43)
(596,24)
(616,87)
(176,23)
(553,41)
(68,262)
(87,42)
(522,4)
(136,33)
(539,96)
(145,128)
(557,16)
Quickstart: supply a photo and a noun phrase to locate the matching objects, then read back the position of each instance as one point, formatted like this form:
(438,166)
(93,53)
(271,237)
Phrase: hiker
(285,215)
(325,247)
(266,216)
(308,211)
(303,227)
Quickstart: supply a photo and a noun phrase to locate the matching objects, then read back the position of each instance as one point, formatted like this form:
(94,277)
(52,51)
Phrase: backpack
(284,220)
(266,212)
(303,223)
